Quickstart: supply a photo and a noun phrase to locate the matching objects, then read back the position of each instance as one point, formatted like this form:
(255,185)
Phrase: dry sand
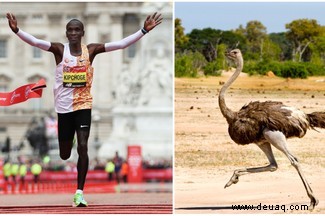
(205,156)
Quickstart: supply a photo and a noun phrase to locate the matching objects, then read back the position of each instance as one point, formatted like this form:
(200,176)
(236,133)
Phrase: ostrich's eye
(235,52)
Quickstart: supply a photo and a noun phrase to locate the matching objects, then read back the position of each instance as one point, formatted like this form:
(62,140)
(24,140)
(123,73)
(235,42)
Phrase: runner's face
(74,32)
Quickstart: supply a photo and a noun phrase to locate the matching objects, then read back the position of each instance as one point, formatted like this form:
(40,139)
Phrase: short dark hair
(76,20)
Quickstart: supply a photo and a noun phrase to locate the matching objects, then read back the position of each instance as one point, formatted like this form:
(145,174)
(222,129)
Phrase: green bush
(284,69)
(212,69)
(188,64)
(314,69)
(184,66)
(294,70)
(275,67)
(250,67)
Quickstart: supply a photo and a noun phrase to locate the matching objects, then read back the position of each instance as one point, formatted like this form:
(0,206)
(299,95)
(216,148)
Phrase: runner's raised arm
(28,38)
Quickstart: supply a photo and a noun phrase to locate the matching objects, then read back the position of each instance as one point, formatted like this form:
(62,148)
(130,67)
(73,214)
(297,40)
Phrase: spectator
(22,172)
(125,171)
(7,170)
(118,165)
(110,168)
(14,169)
(36,170)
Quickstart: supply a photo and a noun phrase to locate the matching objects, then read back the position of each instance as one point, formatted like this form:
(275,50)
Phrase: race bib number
(74,77)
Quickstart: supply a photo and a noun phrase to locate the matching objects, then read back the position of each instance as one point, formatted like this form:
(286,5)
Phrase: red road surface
(99,203)
(92,209)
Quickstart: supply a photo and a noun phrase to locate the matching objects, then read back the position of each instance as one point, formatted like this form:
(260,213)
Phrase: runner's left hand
(152,21)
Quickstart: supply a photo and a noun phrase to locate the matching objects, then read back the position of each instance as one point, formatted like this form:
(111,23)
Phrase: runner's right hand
(12,22)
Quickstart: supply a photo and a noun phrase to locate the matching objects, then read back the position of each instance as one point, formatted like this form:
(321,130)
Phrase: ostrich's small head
(234,55)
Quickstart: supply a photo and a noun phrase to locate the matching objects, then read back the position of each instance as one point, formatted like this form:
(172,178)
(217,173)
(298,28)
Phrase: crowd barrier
(65,182)
(56,187)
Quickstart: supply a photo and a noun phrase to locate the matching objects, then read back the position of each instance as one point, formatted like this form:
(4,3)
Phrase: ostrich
(265,124)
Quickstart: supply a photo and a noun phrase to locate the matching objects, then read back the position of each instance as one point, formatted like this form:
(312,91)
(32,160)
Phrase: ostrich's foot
(239,172)
(233,180)
(313,202)
(266,148)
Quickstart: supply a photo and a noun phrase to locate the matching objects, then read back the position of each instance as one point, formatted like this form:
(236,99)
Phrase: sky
(229,15)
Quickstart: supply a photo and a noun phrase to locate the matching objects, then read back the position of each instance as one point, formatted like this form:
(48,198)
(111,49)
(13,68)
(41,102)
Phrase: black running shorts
(69,123)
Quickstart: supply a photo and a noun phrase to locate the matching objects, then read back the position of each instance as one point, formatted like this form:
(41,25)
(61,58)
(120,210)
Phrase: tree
(209,51)
(317,49)
(205,41)
(285,45)
(255,31)
(180,38)
(302,33)
(256,35)
(234,39)
(271,51)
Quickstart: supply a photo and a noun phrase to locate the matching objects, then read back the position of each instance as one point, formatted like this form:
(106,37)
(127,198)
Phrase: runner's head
(75,31)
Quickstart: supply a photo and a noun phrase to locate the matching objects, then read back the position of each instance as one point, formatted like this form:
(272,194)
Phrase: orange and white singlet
(73,80)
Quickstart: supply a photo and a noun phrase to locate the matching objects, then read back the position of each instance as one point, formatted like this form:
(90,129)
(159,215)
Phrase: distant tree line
(298,53)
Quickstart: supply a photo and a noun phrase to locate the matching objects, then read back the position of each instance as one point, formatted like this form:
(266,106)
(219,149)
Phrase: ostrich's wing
(253,118)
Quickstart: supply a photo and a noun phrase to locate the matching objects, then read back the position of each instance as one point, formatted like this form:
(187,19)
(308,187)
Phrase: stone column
(145,119)
(56,27)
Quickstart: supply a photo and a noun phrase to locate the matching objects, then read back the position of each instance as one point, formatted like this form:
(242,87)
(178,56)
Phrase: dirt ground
(205,156)
(108,203)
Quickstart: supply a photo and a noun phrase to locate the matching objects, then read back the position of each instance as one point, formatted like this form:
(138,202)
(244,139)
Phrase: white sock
(79,191)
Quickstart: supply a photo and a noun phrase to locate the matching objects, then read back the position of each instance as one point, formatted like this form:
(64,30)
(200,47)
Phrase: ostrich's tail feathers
(317,119)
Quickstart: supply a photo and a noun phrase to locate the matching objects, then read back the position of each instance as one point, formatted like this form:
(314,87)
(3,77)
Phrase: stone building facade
(119,80)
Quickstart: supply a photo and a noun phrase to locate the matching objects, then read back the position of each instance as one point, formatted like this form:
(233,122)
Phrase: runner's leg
(66,131)
(83,129)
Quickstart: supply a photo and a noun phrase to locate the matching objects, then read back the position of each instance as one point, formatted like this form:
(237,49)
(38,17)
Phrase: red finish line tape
(22,93)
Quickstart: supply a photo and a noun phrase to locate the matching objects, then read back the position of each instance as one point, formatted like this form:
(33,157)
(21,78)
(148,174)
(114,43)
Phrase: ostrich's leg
(266,148)
(278,140)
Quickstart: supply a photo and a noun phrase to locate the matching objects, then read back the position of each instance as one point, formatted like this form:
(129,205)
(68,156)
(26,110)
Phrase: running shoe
(79,201)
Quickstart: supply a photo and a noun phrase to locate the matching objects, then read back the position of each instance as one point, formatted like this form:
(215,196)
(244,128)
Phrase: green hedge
(284,69)
(188,65)
(212,69)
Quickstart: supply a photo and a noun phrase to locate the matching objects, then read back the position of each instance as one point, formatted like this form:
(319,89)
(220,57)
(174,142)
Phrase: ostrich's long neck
(226,112)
